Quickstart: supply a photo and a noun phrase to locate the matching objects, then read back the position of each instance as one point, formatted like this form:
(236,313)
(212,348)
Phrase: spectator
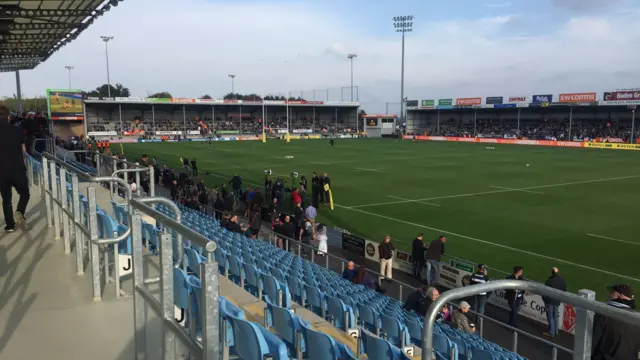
(434,255)
(218,206)
(350,272)
(515,298)
(613,339)
(326,181)
(316,189)
(295,196)
(236,185)
(460,319)
(369,281)
(557,282)
(385,250)
(298,215)
(288,231)
(233,225)
(421,300)
(13,172)
(226,217)
(194,167)
(480,300)
(273,211)
(417,252)
(321,237)
(255,222)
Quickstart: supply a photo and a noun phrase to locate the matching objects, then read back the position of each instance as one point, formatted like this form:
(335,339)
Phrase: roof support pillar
(18,92)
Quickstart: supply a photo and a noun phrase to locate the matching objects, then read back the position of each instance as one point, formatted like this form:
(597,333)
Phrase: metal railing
(209,347)
(584,302)
(76,218)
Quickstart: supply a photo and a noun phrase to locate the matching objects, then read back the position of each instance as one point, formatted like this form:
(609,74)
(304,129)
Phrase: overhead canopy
(32,30)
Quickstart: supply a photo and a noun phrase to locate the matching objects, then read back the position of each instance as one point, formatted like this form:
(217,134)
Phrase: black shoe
(9,229)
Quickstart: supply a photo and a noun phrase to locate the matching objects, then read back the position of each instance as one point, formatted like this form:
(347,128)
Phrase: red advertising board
(578,97)
(183,100)
(621,95)
(468,101)
(516,99)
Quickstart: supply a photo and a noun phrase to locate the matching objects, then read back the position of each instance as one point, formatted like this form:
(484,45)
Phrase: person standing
(194,167)
(614,339)
(417,253)
(480,300)
(326,182)
(385,250)
(13,172)
(434,255)
(316,189)
(515,298)
(557,282)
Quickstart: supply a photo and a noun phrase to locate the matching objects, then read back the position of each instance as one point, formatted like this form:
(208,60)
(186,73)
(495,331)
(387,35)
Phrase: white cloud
(188,49)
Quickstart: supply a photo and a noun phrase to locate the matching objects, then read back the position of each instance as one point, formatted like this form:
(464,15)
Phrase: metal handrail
(141,204)
(566,297)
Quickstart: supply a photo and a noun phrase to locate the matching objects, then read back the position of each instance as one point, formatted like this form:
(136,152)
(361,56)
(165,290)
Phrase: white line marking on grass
(491,243)
(499,191)
(435,165)
(319,163)
(512,189)
(374,170)
(614,239)
(421,202)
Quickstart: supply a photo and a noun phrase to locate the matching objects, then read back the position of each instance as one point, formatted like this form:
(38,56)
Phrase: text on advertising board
(542,98)
(353,244)
(468,101)
(445,102)
(577,97)
(515,99)
(621,95)
(494,100)
(412,103)
(428,103)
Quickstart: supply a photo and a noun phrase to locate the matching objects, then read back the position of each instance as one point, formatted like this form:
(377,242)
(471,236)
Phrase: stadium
(272,227)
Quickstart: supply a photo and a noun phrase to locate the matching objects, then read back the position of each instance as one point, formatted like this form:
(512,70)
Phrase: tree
(232,96)
(205,96)
(252,97)
(103,91)
(162,95)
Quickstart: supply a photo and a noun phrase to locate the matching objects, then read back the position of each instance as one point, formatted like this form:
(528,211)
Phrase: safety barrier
(584,302)
(73,217)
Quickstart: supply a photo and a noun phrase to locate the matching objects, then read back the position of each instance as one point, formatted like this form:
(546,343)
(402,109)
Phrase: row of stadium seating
(279,277)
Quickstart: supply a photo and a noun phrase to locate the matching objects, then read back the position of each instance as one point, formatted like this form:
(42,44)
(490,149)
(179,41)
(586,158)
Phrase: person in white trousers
(385,251)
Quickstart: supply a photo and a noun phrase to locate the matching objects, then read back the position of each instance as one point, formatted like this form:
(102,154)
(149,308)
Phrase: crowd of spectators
(545,130)
(207,126)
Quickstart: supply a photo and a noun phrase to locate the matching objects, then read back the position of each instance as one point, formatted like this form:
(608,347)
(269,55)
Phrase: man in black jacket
(434,255)
(613,339)
(417,253)
(480,300)
(316,189)
(557,282)
(515,298)
(385,250)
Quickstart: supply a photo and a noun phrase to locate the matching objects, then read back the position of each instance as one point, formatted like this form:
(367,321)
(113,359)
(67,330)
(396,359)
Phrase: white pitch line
(512,189)
(614,239)
(373,170)
(493,244)
(319,163)
(499,191)
(435,165)
(421,202)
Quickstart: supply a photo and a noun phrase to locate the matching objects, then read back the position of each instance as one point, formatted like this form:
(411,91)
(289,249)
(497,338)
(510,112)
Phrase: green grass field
(571,208)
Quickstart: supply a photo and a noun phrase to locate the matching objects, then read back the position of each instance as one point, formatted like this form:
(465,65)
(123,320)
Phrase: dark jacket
(613,339)
(417,250)
(419,303)
(435,250)
(349,274)
(513,295)
(557,282)
(385,250)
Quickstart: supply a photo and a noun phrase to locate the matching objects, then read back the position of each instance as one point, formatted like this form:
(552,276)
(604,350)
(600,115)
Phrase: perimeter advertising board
(578,97)
(621,98)
(65,104)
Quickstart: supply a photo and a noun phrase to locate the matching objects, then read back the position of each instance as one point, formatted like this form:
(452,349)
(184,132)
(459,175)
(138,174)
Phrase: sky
(461,48)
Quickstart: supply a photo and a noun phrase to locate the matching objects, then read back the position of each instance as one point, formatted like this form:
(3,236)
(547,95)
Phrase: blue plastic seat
(254,342)
(442,345)
(395,332)
(236,271)
(369,319)
(481,354)
(341,315)
(195,260)
(296,289)
(321,346)
(414,328)
(316,301)
(253,280)
(287,325)
(379,349)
